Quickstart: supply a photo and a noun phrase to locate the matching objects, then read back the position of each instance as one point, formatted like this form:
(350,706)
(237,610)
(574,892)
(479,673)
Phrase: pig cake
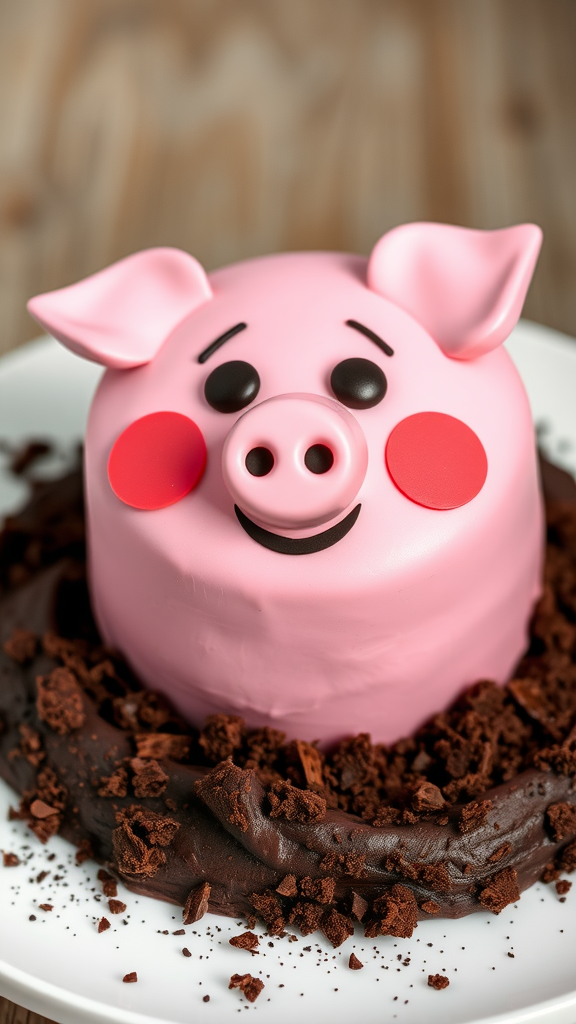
(316,536)
(305,472)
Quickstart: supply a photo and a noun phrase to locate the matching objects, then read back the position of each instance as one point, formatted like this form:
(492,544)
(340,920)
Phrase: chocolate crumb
(501,890)
(116,906)
(562,821)
(249,986)
(59,701)
(247,941)
(305,764)
(31,745)
(40,809)
(179,931)
(221,736)
(10,860)
(336,927)
(130,978)
(354,963)
(551,873)
(162,746)
(502,851)
(428,797)
(103,925)
(149,778)
(270,911)
(197,903)
(306,915)
(395,913)
(438,981)
(114,785)
(293,804)
(46,907)
(319,889)
(359,906)
(186,952)
(227,788)
(206,999)
(563,887)
(288,886)
(430,907)
(21,646)
(344,864)
(137,839)
(474,815)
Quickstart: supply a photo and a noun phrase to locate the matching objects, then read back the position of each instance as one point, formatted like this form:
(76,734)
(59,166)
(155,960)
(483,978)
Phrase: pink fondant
(384,627)
(157,460)
(121,316)
(290,497)
(436,460)
(465,287)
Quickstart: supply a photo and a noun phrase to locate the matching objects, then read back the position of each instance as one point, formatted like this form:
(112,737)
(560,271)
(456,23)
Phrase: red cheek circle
(436,460)
(157,460)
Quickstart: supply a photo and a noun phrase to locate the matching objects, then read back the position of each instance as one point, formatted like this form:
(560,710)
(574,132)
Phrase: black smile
(301,545)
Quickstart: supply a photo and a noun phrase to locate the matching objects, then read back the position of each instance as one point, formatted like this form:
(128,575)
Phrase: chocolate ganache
(461,817)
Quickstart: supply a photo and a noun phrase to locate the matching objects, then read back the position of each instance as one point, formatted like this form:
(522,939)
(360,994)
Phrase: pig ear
(121,316)
(465,287)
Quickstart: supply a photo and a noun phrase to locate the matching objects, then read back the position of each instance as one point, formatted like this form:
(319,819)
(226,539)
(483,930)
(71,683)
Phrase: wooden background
(238,127)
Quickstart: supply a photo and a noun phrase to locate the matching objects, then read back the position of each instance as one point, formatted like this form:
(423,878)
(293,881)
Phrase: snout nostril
(259,461)
(319,459)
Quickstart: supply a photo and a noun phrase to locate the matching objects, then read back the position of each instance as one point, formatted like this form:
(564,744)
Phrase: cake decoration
(232,386)
(360,414)
(157,460)
(436,460)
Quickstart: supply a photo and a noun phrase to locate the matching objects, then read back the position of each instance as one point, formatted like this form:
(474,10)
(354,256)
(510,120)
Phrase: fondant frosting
(405,604)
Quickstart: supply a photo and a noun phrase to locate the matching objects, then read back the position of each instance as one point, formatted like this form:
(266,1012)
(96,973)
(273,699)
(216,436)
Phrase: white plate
(59,966)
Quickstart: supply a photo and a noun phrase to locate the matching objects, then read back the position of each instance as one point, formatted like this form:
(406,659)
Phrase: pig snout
(295,461)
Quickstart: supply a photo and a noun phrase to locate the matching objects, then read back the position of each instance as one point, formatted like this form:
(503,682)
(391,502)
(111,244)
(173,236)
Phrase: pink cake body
(379,630)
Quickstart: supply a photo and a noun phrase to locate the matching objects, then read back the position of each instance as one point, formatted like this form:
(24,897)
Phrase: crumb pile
(459,817)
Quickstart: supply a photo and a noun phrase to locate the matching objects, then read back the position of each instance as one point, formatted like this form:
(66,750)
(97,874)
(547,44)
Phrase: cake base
(458,818)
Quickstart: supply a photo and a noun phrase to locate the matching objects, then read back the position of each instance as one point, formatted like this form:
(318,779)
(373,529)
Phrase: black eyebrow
(371,335)
(220,341)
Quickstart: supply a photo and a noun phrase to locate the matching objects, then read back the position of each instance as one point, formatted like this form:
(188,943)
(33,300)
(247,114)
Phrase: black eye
(232,386)
(358,383)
